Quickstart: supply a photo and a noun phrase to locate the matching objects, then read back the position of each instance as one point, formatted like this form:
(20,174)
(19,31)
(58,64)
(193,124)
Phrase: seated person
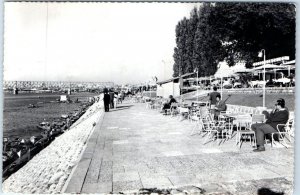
(167,105)
(220,106)
(279,115)
(213,97)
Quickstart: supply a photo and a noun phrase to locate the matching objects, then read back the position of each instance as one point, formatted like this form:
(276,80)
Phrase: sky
(118,42)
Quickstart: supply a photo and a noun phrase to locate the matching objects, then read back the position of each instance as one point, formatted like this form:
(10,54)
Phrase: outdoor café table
(183,111)
(238,118)
(200,103)
(242,120)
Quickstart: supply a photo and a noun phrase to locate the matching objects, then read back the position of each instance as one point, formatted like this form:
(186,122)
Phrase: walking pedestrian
(106,100)
(112,95)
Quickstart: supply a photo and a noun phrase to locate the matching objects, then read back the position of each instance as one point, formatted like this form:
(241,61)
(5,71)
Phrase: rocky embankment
(48,171)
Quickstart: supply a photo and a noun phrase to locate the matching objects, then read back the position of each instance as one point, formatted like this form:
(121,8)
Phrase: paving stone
(109,128)
(164,154)
(180,180)
(87,155)
(126,176)
(121,142)
(104,187)
(77,180)
(152,182)
(118,168)
(89,188)
(96,188)
(173,153)
(106,172)
(90,147)
(120,186)
(93,171)
(253,161)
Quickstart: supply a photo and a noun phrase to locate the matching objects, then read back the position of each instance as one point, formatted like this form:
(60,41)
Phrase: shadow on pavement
(267,191)
(120,108)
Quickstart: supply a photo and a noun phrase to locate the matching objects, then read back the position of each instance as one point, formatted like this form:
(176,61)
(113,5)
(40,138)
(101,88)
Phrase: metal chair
(174,109)
(243,123)
(199,124)
(283,131)
(214,130)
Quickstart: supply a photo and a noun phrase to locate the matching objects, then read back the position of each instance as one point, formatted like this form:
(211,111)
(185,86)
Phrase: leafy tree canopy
(233,32)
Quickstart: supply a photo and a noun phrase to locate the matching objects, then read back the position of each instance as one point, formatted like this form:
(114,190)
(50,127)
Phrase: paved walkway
(134,147)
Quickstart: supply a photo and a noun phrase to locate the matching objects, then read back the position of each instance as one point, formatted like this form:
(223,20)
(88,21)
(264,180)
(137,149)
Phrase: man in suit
(220,106)
(279,115)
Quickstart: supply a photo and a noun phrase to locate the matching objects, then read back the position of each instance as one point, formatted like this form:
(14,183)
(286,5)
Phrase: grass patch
(255,100)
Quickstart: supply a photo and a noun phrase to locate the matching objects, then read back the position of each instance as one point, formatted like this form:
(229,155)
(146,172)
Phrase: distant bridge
(55,84)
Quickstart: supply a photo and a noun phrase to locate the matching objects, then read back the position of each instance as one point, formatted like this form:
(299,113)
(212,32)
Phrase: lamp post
(196,71)
(221,87)
(263,51)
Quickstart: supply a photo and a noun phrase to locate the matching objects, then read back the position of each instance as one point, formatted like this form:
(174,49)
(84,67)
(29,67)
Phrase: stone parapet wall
(289,90)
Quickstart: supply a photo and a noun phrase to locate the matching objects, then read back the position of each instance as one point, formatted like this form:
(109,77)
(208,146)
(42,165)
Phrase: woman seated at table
(220,106)
(167,105)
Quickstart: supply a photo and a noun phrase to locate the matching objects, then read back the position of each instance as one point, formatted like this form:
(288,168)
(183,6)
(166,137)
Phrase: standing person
(213,97)
(120,97)
(279,115)
(220,106)
(112,94)
(106,100)
(115,99)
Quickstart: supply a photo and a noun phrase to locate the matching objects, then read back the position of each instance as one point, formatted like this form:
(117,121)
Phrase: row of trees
(233,32)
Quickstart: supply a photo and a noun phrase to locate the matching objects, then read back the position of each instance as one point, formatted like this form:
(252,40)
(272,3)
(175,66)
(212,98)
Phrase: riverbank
(49,169)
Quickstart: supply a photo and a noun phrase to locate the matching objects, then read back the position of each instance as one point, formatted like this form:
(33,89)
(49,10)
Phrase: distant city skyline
(97,42)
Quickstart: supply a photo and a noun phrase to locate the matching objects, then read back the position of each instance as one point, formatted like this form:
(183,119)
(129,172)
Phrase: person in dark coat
(112,94)
(106,100)
(213,97)
(219,107)
(279,115)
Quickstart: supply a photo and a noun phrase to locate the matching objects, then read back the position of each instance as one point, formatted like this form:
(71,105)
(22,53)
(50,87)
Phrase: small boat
(44,126)
(32,106)
(64,116)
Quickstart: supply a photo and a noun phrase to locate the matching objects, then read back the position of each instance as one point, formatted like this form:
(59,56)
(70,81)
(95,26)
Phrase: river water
(21,121)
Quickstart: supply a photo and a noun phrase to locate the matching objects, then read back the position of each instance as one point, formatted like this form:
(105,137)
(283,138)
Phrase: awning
(292,62)
(244,71)
(174,78)
(268,66)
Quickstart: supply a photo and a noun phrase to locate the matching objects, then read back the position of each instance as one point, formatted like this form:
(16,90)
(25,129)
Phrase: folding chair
(243,123)
(291,128)
(183,112)
(204,111)
(194,111)
(157,105)
(214,131)
(174,109)
(149,105)
(199,124)
(283,130)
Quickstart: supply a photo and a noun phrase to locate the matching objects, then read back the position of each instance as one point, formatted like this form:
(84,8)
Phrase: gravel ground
(48,171)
